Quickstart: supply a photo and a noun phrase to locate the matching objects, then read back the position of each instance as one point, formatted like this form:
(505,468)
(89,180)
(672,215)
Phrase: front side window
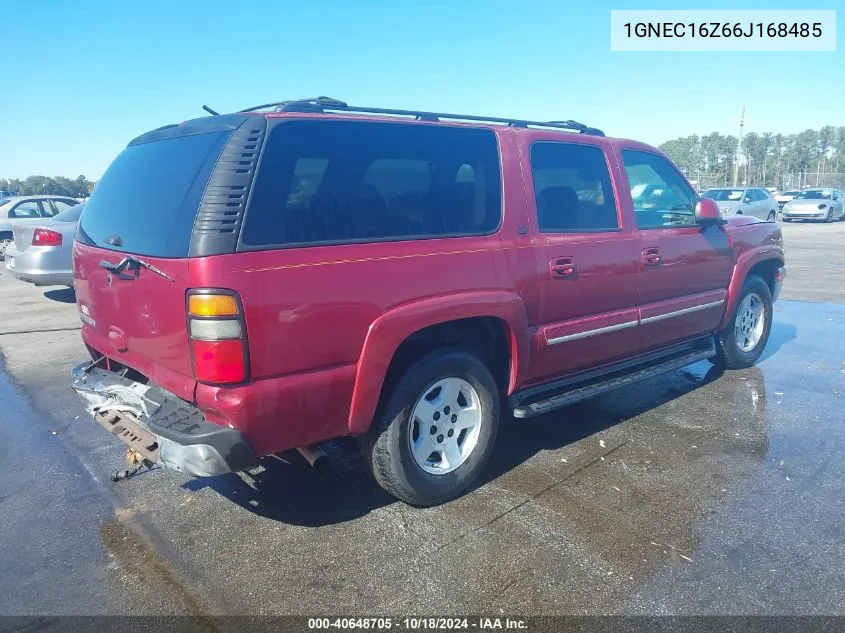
(667,200)
(62,205)
(324,182)
(572,188)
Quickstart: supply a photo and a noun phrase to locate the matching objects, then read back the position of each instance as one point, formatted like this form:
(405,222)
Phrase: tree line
(765,159)
(81,187)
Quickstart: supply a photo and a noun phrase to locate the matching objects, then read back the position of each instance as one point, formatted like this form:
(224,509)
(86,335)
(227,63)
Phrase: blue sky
(83,77)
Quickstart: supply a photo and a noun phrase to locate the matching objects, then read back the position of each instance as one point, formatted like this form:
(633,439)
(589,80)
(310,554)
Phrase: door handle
(563,268)
(652,257)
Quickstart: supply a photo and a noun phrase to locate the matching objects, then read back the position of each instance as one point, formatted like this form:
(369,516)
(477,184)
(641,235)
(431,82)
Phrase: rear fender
(745,262)
(388,332)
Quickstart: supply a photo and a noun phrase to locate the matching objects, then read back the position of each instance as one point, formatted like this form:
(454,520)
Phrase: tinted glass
(149,195)
(670,201)
(572,188)
(342,181)
(71,214)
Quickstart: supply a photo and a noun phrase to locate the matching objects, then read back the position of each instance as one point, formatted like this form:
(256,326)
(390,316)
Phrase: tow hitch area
(137,438)
(158,427)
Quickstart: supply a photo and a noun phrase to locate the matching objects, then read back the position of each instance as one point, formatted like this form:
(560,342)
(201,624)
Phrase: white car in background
(823,204)
(786,196)
(744,201)
(28,211)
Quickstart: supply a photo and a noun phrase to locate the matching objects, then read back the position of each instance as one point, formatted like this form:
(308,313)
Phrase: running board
(576,393)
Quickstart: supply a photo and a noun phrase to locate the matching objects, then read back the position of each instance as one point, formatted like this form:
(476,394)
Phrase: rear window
(147,200)
(70,215)
(341,181)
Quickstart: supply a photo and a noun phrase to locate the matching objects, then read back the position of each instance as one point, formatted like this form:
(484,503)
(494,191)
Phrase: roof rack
(327,104)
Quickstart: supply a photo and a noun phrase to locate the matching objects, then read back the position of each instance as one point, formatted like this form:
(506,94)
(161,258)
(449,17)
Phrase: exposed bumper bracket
(160,426)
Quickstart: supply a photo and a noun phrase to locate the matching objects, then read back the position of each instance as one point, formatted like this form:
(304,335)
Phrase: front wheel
(772,217)
(743,340)
(436,430)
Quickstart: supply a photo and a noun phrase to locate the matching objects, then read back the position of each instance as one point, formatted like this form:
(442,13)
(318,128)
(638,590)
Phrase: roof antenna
(209,110)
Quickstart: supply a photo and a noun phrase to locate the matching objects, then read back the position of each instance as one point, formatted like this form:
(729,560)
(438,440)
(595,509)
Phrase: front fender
(388,332)
(745,262)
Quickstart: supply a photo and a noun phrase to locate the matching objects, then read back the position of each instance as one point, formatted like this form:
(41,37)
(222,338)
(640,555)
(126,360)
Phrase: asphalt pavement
(695,493)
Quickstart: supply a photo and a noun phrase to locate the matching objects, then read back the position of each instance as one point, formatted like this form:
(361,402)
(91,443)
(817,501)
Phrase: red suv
(309,270)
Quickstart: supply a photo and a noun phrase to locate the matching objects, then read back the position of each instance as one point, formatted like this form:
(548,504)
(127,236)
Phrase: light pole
(739,146)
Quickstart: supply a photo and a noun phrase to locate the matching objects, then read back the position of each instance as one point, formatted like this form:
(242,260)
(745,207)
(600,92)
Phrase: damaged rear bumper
(160,426)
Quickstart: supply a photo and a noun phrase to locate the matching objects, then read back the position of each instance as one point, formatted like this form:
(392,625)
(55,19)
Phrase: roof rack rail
(327,104)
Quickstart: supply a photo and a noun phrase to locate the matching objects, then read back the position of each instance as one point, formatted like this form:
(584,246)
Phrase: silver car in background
(42,253)
(744,201)
(820,203)
(28,210)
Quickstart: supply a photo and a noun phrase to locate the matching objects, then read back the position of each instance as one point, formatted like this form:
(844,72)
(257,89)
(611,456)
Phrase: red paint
(323,322)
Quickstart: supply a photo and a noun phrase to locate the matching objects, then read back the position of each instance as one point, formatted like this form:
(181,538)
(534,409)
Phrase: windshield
(725,195)
(70,215)
(814,195)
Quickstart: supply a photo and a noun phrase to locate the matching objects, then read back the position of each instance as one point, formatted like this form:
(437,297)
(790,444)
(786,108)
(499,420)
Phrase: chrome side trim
(586,333)
(669,315)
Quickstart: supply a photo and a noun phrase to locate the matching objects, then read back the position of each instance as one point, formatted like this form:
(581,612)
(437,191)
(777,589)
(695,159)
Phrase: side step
(582,390)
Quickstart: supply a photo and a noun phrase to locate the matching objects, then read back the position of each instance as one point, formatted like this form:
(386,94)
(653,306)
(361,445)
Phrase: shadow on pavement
(62,295)
(285,488)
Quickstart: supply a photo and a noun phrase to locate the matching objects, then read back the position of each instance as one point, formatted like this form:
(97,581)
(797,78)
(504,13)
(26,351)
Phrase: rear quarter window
(147,200)
(324,182)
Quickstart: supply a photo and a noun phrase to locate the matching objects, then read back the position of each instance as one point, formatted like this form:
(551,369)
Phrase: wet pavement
(697,492)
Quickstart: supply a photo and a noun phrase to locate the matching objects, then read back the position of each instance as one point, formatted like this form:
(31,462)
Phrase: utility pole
(739,146)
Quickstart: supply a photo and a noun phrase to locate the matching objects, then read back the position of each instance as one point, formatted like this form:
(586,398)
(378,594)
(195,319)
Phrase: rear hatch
(143,213)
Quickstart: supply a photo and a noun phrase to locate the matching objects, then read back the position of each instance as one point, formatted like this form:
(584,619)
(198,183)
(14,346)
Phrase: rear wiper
(134,262)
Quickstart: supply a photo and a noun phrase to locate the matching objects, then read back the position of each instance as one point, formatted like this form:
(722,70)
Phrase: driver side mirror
(707,213)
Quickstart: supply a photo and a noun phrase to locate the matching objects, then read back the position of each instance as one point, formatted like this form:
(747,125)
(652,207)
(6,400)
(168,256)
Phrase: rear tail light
(218,337)
(46,237)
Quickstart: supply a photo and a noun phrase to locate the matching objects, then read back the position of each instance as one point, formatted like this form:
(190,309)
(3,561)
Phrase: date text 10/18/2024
(480,624)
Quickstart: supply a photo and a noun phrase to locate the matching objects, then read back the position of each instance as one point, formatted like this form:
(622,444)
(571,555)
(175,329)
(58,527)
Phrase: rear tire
(421,447)
(743,340)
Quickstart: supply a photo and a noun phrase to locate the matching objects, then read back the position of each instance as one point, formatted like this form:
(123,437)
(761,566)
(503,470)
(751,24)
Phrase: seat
(558,209)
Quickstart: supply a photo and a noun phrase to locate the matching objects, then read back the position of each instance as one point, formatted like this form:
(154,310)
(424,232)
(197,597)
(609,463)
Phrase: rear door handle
(563,268)
(652,257)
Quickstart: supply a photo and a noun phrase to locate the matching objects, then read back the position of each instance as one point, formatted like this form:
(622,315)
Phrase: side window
(572,188)
(306,178)
(664,198)
(61,205)
(28,209)
(47,209)
(341,181)
(759,196)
